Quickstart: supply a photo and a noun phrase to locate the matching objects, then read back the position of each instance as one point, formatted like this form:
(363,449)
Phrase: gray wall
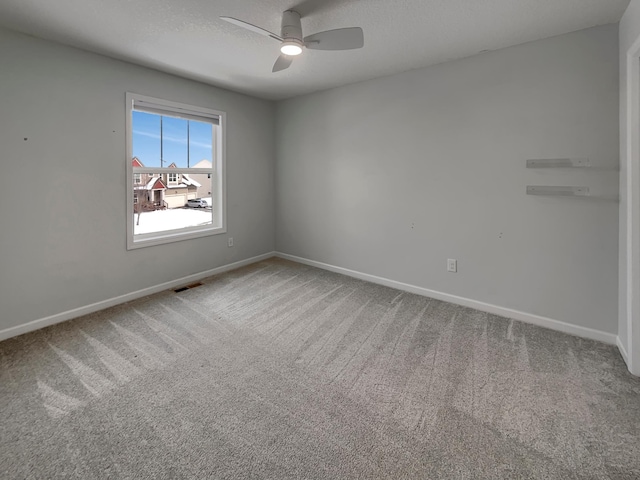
(62,191)
(629,33)
(393,176)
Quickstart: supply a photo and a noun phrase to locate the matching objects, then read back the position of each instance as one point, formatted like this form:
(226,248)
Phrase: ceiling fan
(292,40)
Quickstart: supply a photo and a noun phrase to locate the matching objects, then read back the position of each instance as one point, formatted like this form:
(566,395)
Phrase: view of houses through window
(170,201)
(174,171)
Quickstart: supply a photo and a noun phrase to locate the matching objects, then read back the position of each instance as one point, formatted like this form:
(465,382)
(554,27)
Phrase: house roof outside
(157,183)
(187,180)
(204,163)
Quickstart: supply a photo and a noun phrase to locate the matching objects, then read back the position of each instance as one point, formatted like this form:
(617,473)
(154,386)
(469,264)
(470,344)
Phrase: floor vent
(182,289)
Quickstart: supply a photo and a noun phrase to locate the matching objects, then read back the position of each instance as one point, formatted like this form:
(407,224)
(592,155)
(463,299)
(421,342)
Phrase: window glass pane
(200,144)
(174,142)
(164,141)
(159,207)
(146,138)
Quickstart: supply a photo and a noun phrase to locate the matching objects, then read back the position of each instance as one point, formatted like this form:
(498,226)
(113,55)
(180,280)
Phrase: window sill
(162,238)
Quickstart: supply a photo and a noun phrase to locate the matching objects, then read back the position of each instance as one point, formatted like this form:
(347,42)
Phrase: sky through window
(148,135)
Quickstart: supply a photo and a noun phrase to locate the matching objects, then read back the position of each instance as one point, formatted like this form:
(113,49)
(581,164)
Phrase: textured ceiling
(187,38)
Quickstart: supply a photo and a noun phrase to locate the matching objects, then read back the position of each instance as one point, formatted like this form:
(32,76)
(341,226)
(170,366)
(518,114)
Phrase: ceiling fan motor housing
(291,27)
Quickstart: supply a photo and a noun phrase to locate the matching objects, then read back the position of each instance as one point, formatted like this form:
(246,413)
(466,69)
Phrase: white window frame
(172,182)
(218,172)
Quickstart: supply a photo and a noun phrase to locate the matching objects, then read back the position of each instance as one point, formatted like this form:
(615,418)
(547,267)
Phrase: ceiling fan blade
(283,62)
(253,28)
(339,39)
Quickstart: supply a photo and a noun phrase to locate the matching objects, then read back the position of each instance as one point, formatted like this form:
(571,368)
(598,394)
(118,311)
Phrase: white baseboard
(550,323)
(485,307)
(623,350)
(94,307)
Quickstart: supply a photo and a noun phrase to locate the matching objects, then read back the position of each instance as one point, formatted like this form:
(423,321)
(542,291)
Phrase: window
(175,153)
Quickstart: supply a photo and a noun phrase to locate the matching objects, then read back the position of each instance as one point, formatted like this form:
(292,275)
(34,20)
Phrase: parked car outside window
(197,203)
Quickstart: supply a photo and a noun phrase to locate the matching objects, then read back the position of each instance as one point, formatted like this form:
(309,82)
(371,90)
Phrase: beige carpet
(283,371)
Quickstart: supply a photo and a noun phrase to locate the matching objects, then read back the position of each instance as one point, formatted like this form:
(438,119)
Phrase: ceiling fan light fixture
(291,48)
(292,42)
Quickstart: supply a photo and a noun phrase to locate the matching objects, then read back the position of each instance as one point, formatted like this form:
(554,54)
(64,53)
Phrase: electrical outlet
(230,241)
(452,265)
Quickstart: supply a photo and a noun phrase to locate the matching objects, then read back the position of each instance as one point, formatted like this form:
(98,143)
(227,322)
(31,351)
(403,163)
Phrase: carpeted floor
(283,371)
